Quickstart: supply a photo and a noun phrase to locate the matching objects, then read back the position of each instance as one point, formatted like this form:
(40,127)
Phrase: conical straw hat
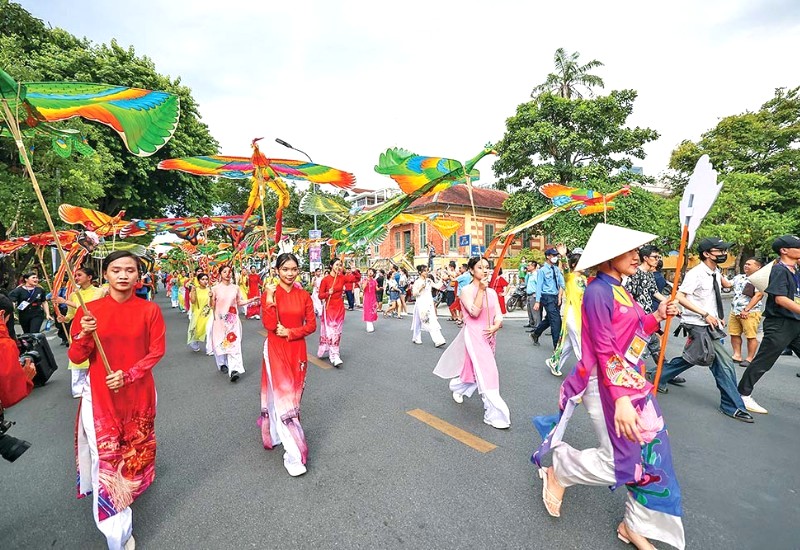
(609,241)
(760,278)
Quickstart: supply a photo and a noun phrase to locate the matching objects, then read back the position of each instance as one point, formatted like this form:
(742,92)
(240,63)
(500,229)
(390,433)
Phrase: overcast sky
(344,80)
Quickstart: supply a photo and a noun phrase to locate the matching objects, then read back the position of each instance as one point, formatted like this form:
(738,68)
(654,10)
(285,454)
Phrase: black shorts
(450,297)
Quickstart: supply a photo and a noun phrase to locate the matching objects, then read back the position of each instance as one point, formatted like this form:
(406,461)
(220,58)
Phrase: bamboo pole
(13,126)
(675,283)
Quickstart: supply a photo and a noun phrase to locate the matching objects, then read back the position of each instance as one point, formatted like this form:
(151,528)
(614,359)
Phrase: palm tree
(568,76)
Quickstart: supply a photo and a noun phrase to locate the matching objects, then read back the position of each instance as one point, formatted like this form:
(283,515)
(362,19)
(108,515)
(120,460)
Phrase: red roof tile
(459,195)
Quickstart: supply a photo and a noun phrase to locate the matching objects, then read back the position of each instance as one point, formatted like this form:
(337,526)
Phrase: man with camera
(16,381)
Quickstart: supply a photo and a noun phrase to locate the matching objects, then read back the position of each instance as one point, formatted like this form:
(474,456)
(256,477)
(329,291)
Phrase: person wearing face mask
(550,288)
(700,294)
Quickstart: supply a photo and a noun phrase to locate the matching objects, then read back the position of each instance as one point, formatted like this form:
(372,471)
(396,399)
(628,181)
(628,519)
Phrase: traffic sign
(315,233)
(476,250)
(464,240)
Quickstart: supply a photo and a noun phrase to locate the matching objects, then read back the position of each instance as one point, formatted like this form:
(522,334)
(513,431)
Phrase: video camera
(10,447)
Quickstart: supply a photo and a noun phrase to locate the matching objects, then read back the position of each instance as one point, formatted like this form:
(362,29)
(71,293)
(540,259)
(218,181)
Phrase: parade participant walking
(634,450)
(253,291)
(499,285)
(469,361)
(288,315)
(425,310)
(226,330)
(84,277)
(316,279)
(115,433)
(200,298)
(745,316)
(643,287)
(332,320)
(173,287)
(549,294)
(349,282)
(32,306)
(368,288)
(781,317)
(701,295)
(243,280)
(569,342)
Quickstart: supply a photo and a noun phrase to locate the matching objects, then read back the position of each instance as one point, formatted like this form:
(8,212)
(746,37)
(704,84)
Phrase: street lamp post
(285,144)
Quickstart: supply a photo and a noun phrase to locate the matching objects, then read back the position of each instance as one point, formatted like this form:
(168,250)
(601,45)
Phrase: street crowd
(605,306)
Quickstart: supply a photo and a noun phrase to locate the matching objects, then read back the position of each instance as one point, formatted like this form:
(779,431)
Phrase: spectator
(745,313)
(30,300)
(549,294)
(16,382)
(782,317)
(534,316)
(701,296)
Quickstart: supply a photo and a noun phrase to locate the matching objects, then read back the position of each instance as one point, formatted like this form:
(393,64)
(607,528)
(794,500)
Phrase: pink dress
(469,361)
(370,301)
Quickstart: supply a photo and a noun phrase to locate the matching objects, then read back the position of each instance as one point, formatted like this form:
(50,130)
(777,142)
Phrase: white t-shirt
(698,286)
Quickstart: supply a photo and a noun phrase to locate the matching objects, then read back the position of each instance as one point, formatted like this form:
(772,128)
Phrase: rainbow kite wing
(93,220)
(212,165)
(412,171)
(144,119)
(314,173)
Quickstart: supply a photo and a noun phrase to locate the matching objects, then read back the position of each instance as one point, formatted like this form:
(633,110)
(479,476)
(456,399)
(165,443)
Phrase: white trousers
(435,332)
(78,381)
(119,527)
(596,467)
(233,362)
(494,408)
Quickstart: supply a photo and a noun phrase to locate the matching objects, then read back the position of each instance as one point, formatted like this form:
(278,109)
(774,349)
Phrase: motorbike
(518,298)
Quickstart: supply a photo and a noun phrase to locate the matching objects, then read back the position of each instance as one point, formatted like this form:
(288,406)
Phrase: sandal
(553,505)
(626,537)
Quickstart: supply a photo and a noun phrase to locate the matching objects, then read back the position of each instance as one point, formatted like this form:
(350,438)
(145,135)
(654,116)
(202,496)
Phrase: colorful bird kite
(264,172)
(189,228)
(144,119)
(93,220)
(417,176)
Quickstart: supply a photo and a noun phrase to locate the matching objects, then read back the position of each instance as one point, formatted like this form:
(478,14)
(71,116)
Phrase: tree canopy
(757,155)
(112,179)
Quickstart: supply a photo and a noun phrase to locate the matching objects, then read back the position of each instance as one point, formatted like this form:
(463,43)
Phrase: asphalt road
(380,478)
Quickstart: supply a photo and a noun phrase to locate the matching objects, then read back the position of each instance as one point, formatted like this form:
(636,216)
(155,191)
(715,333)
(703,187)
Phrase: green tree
(757,155)
(569,140)
(569,76)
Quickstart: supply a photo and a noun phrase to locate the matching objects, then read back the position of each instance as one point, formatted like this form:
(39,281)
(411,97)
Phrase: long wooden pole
(53,297)
(13,126)
(675,282)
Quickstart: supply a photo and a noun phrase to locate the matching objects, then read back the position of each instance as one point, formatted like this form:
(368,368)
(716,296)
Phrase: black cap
(712,242)
(786,241)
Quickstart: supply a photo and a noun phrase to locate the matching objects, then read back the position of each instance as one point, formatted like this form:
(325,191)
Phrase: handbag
(699,346)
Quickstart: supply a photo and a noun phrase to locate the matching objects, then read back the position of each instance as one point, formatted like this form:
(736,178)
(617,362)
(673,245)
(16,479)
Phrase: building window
(488,233)
(406,241)
(453,242)
(423,236)
(377,249)
(397,241)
